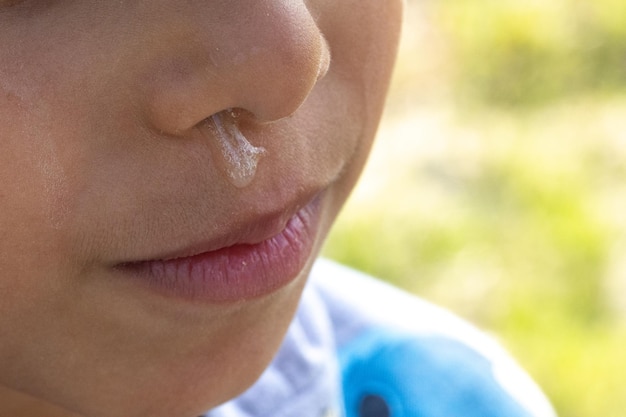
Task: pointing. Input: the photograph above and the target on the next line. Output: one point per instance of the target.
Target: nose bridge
(263, 56)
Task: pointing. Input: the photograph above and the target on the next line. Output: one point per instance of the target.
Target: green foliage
(504, 198)
(520, 53)
(516, 225)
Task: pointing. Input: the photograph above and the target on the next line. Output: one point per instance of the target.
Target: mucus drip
(240, 156)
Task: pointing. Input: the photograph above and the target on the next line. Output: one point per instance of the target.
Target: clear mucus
(240, 157)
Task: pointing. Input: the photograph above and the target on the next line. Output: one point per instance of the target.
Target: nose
(262, 56)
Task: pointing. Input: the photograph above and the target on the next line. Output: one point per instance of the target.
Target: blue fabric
(420, 376)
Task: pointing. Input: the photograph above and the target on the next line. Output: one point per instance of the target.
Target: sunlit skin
(104, 161)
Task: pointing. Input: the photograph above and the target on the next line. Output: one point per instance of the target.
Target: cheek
(35, 201)
(363, 42)
(38, 154)
(34, 197)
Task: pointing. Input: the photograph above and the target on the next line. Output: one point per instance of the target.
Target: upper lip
(256, 228)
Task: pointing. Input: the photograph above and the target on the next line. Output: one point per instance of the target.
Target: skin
(103, 161)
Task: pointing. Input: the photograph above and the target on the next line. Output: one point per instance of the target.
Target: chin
(216, 369)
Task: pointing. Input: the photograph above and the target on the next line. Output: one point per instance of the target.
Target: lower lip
(236, 273)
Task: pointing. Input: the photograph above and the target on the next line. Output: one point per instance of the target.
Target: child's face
(108, 167)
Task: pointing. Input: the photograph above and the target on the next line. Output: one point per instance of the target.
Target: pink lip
(237, 272)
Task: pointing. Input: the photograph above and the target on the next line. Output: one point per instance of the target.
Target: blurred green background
(497, 187)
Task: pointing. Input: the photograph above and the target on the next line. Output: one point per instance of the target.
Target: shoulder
(400, 353)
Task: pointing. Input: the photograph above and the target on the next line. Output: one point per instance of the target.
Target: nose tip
(265, 60)
(277, 79)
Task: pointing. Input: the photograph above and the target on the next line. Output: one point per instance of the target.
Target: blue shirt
(358, 347)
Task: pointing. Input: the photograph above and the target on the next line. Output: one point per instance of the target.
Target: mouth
(250, 263)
